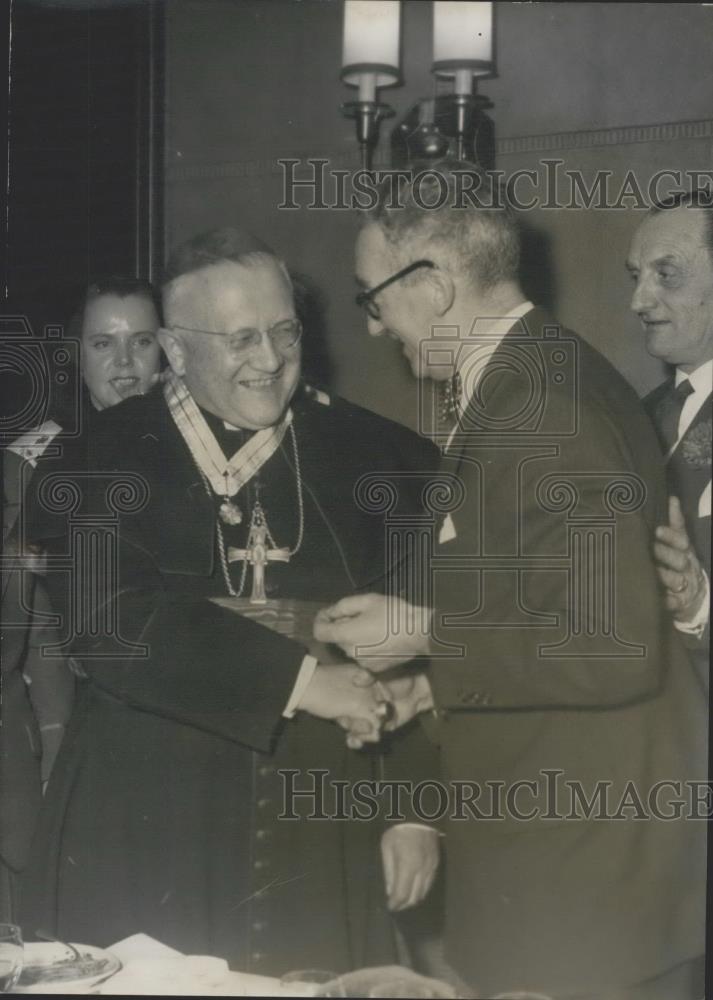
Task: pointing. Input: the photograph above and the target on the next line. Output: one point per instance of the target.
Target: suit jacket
(566, 670)
(688, 474)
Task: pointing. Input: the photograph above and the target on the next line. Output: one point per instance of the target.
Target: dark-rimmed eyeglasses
(365, 299)
(282, 336)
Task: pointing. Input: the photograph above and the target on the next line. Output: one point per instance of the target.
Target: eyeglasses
(366, 298)
(282, 336)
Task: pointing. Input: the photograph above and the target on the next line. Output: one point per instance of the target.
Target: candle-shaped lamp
(462, 42)
(463, 51)
(370, 60)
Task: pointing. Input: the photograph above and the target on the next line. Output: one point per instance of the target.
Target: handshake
(362, 705)
(352, 695)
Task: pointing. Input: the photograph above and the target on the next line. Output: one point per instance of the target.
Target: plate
(50, 967)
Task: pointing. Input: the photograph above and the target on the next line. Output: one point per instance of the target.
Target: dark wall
(82, 173)
(85, 165)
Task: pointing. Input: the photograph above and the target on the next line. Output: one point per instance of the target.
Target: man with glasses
(166, 818)
(551, 659)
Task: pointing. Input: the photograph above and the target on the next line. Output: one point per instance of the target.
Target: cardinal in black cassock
(163, 811)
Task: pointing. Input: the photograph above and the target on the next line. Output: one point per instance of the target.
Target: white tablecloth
(150, 967)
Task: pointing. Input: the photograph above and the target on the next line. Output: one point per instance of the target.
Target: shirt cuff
(697, 625)
(309, 665)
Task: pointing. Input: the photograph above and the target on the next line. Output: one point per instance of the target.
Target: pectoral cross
(258, 555)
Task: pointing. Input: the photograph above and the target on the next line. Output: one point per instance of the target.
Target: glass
(11, 955)
(312, 983)
(282, 335)
(366, 298)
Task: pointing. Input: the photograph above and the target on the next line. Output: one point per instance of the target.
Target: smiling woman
(120, 349)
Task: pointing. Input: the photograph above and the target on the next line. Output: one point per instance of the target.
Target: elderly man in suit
(671, 261)
(550, 655)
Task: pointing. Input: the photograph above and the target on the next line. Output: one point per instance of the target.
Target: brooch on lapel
(696, 445)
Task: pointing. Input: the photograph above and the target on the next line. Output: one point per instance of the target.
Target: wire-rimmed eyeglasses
(282, 336)
(366, 298)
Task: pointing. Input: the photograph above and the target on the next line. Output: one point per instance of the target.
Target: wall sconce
(370, 60)
(462, 52)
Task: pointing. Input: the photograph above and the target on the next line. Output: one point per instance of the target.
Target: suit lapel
(689, 475)
(703, 416)
(494, 380)
(493, 383)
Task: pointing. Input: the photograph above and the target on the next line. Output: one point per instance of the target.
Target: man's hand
(410, 855)
(409, 696)
(678, 566)
(396, 631)
(405, 698)
(346, 695)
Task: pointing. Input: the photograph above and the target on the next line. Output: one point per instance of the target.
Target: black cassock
(162, 813)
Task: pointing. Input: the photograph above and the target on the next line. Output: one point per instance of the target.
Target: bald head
(228, 243)
(210, 313)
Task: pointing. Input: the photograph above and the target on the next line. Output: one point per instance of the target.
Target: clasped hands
(390, 632)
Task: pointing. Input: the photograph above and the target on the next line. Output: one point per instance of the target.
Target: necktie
(668, 413)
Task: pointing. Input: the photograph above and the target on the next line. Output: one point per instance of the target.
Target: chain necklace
(257, 519)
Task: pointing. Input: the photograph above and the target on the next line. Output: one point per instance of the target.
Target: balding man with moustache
(671, 263)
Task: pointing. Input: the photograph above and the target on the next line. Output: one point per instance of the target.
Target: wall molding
(623, 136)
(544, 143)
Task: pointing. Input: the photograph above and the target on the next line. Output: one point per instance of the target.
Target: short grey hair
(477, 236)
(231, 243)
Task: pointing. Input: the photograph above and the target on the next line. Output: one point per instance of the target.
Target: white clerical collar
(701, 378)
